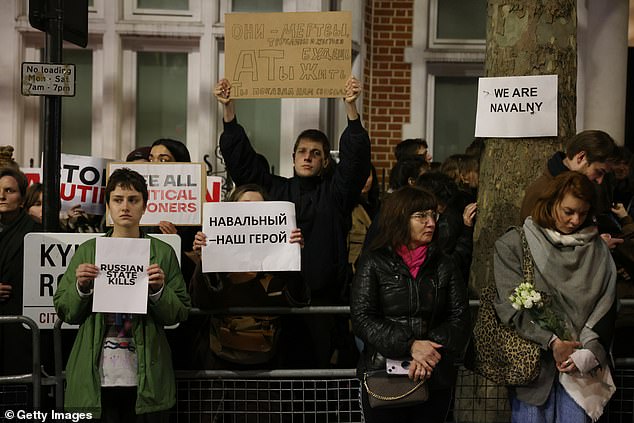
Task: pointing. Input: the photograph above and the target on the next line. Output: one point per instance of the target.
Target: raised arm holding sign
(324, 199)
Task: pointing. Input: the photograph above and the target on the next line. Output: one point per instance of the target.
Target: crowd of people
(400, 259)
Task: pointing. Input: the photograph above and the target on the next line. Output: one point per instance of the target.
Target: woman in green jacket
(120, 366)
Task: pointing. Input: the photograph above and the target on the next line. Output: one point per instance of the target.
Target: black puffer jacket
(390, 309)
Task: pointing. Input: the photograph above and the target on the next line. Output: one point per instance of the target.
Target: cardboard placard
(292, 54)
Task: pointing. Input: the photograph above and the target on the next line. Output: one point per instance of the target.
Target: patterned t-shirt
(118, 354)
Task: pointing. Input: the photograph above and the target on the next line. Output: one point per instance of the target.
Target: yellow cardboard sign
(292, 54)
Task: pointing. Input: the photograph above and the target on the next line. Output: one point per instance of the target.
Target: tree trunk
(524, 37)
(528, 37)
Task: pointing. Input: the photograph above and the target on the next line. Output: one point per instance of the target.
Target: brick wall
(386, 102)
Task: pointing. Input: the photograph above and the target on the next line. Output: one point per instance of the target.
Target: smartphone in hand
(397, 367)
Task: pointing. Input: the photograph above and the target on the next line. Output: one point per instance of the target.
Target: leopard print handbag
(500, 354)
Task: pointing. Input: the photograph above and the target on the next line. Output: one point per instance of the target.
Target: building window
(257, 6)
(163, 10)
(161, 106)
(455, 100)
(457, 23)
(163, 4)
(77, 110)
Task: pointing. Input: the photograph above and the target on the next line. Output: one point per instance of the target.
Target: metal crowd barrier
(325, 394)
(35, 377)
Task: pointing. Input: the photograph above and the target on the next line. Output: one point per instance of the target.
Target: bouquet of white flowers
(538, 304)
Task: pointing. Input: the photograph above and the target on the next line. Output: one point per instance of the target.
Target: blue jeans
(558, 408)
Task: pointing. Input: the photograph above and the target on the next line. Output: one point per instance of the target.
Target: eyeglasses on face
(425, 215)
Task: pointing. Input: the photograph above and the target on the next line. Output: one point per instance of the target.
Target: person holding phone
(409, 303)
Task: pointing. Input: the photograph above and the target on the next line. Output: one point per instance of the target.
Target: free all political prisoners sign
(46, 257)
(517, 107)
(292, 54)
(175, 191)
(249, 237)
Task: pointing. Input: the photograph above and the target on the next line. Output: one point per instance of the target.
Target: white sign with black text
(48, 79)
(517, 107)
(46, 257)
(122, 283)
(249, 237)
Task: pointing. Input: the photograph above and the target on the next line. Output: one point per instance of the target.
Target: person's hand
(156, 278)
(297, 237)
(426, 353)
(353, 89)
(619, 210)
(75, 213)
(468, 215)
(200, 240)
(418, 371)
(567, 366)
(85, 275)
(5, 291)
(222, 91)
(167, 227)
(612, 242)
(562, 350)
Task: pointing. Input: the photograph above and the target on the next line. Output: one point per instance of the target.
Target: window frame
(132, 12)
(437, 43)
(131, 46)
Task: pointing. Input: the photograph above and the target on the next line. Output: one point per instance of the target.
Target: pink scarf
(413, 258)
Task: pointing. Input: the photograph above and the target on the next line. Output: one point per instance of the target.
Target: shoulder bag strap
(528, 268)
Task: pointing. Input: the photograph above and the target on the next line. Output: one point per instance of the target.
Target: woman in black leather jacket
(409, 303)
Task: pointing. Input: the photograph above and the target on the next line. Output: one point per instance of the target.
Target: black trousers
(117, 406)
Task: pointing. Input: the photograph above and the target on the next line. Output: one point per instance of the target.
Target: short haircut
(410, 167)
(458, 165)
(439, 184)
(570, 182)
(177, 148)
(396, 211)
(19, 177)
(598, 146)
(126, 178)
(32, 195)
(314, 135)
(476, 148)
(242, 189)
(409, 148)
(140, 153)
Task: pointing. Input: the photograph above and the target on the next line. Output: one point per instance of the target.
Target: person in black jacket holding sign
(323, 199)
(409, 303)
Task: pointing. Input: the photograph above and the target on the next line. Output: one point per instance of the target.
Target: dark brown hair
(128, 179)
(19, 177)
(396, 211)
(242, 189)
(314, 135)
(33, 195)
(574, 183)
(598, 145)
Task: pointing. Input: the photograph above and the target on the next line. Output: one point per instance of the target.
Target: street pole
(52, 123)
